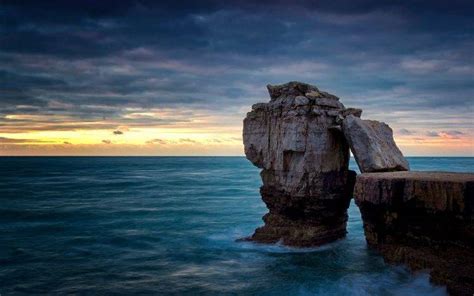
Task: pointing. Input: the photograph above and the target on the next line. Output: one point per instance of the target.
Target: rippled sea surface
(168, 225)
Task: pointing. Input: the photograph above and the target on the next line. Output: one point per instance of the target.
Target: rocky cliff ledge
(423, 219)
(297, 141)
(301, 140)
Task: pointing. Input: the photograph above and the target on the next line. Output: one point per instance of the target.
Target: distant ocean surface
(168, 225)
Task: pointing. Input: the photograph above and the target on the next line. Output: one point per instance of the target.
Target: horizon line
(459, 156)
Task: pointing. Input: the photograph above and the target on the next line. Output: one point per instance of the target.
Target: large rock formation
(301, 141)
(296, 140)
(373, 146)
(423, 219)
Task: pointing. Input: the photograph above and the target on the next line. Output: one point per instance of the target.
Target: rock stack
(297, 141)
(301, 140)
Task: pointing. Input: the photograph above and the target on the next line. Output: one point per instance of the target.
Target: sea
(168, 226)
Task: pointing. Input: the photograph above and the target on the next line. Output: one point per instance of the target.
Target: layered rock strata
(423, 219)
(373, 145)
(296, 140)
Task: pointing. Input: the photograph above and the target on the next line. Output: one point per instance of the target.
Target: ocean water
(167, 226)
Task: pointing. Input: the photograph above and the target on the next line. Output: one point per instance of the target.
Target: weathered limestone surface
(423, 219)
(307, 186)
(373, 146)
(301, 140)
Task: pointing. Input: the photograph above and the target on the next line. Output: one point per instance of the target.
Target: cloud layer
(114, 66)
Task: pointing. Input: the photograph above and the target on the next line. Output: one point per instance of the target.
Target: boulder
(422, 219)
(373, 145)
(307, 186)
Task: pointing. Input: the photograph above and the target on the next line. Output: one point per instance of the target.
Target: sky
(145, 77)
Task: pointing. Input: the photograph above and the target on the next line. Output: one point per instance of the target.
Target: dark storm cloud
(18, 81)
(94, 60)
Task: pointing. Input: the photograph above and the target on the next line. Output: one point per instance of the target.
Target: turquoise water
(168, 225)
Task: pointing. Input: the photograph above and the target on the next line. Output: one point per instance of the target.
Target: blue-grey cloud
(454, 133)
(406, 132)
(432, 134)
(95, 60)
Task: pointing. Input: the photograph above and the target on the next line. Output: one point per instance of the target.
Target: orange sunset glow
(201, 134)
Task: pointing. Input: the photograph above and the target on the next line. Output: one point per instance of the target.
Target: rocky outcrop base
(307, 220)
(422, 219)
